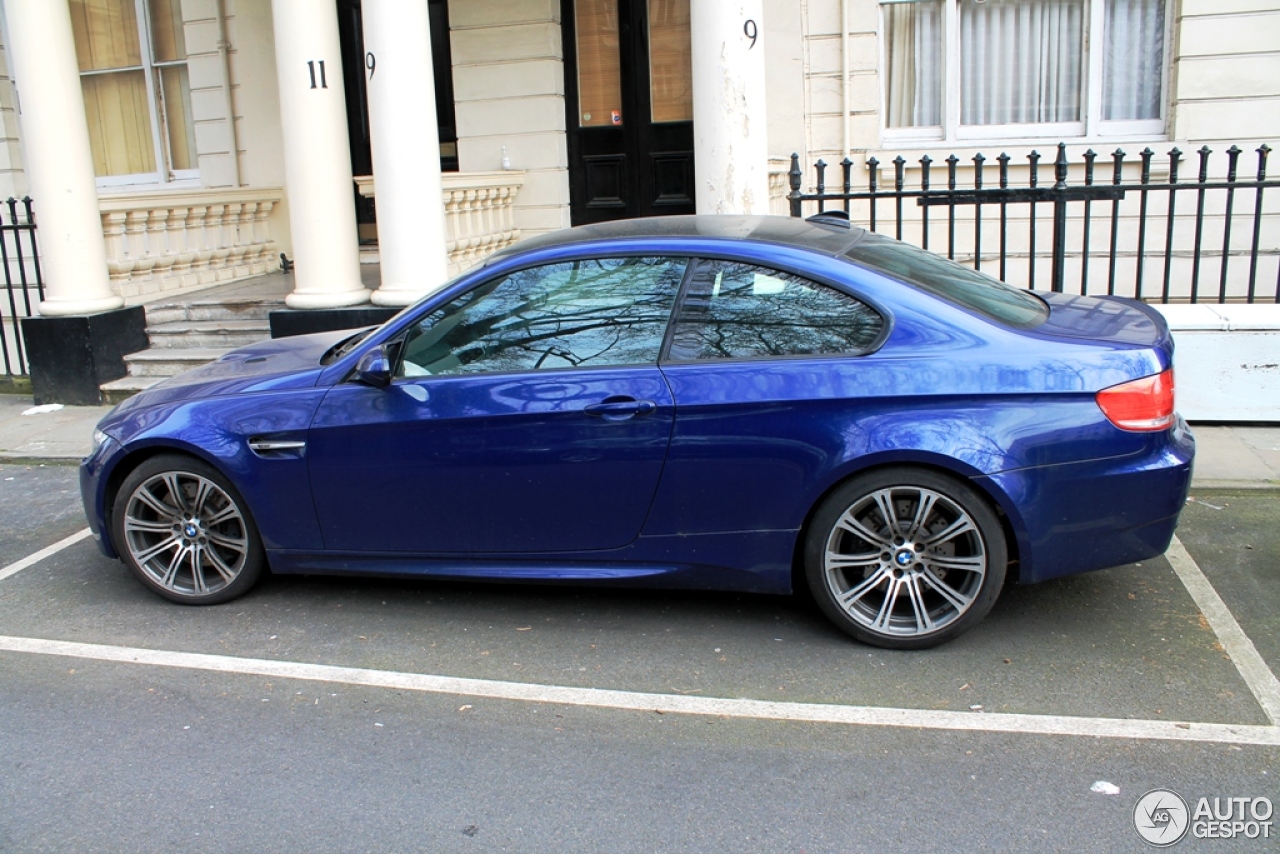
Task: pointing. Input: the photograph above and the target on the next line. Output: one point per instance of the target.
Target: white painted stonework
(313, 115)
(411, 232)
(730, 125)
(1226, 361)
(59, 165)
(479, 215)
(164, 243)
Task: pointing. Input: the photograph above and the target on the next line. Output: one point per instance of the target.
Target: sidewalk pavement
(1227, 457)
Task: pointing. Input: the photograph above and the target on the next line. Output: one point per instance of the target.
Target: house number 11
(311, 67)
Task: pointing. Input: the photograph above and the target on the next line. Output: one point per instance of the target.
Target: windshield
(950, 281)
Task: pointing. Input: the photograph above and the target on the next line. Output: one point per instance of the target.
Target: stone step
(227, 334)
(170, 361)
(122, 389)
(233, 308)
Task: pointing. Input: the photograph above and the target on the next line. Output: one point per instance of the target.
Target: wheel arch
(999, 503)
(135, 457)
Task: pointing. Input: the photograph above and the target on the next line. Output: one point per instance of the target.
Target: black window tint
(610, 311)
(951, 281)
(740, 311)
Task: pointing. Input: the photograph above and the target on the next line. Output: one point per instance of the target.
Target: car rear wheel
(184, 530)
(905, 558)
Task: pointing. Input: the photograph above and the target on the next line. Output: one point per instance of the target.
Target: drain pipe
(844, 79)
(228, 107)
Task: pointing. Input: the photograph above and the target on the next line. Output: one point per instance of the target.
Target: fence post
(1060, 220)
(793, 177)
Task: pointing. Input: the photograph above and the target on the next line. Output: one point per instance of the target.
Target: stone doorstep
(241, 308)
(187, 334)
(170, 361)
(126, 387)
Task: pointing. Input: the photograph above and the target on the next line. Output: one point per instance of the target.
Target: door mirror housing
(374, 368)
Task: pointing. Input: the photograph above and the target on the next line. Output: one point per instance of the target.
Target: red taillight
(1145, 404)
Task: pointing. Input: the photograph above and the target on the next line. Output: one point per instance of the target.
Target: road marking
(15, 568)
(1253, 669)
(668, 703)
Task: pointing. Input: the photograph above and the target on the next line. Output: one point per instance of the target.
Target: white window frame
(1093, 127)
(163, 174)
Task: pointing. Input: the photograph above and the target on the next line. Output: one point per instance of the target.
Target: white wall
(13, 181)
(255, 99)
(508, 82)
(785, 85)
(1226, 73)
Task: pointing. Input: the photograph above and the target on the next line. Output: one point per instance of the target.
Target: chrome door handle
(618, 409)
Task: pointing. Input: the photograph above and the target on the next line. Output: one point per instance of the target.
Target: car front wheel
(905, 558)
(184, 530)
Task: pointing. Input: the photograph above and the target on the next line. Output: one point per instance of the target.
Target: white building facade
(224, 133)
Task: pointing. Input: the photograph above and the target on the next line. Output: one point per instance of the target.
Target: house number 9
(370, 63)
(750, 31)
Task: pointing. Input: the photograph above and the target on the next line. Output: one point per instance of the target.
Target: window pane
(599, 72)
(915, 63)
(176, 110)
(167, 39)
(739, 311)
(119, 123)
(106, 34)
(1022, 61)
(670, 61)
(576, 314)
(1133, 59)
(949, 280)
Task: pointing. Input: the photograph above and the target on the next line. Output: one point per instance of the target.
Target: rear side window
(950, 281)
(741, 311)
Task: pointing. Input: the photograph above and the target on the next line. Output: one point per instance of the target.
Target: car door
(527, 415)
(762, 364)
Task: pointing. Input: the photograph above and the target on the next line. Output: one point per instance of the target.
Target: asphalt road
(203, 755)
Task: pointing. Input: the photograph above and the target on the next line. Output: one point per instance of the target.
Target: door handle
(620, 408)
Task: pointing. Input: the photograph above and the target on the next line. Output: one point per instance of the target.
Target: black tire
(186, 532)
(905, 558)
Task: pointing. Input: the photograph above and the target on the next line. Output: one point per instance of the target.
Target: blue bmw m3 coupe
(727, 403)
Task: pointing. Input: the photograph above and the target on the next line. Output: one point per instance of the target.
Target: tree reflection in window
(590, 313)
(739, 311)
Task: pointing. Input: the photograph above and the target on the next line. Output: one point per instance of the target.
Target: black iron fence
(1095, 230)
(23, 283)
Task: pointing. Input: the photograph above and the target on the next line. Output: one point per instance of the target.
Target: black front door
(629, 96)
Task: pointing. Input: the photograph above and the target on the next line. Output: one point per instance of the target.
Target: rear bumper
(1093, 515)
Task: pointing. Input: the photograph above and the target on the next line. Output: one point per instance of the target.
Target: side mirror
(375, 368)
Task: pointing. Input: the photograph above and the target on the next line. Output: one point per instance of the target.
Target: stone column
(317, 156)
(731, 150)
(406, 160)
(59, 161)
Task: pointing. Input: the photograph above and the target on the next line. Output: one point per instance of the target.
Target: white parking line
(668, 703)
(15, 568)
(1253, 669)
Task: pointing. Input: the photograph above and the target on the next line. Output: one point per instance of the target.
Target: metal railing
(1221, 261)
(20, 258)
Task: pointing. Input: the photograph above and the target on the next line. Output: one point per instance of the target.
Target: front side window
(740, 311)
(972, 69)
(576, 314)
(137, 97)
